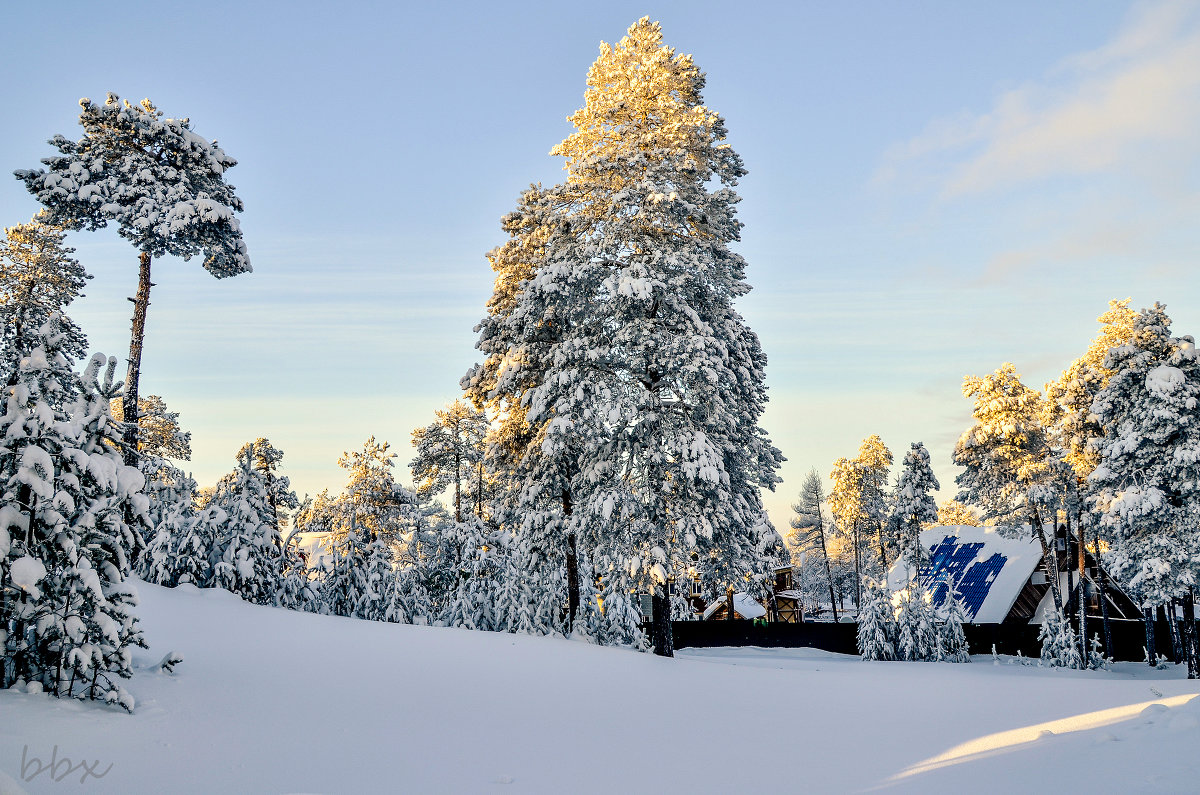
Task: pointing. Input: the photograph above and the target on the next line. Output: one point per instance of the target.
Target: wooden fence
(1128, 637)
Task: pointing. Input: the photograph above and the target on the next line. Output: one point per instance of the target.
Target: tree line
(1106, 454)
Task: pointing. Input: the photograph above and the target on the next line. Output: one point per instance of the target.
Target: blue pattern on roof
(950, 560)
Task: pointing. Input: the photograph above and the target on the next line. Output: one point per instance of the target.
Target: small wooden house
(786, 604)
(744, 606)
(1006, 580)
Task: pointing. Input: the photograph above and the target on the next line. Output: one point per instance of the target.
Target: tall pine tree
(655, 384)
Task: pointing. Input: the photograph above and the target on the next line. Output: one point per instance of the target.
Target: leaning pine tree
(654, 384)
(162, 184)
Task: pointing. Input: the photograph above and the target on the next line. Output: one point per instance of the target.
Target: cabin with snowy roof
(744, 606)
(1005, 580)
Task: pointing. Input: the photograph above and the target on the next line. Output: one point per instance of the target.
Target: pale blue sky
(934, 188)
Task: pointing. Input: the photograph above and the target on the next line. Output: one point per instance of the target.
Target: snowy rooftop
(743, 605)
(988, 569)
(315, 546)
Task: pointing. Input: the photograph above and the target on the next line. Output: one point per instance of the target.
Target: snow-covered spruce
(916, 629)
(876, 622)
(951, 638)
(174, 552)
(66, 615)
(1060, 646)
(246, 556)
(366, 524)
(912, 505)
(1147, 480)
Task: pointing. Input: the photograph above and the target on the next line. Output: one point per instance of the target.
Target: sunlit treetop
(643, 99)
(953, 513)
(1069, 399)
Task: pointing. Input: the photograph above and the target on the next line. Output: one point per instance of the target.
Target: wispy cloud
(1124, 107)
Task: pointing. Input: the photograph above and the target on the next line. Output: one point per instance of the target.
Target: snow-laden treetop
(163, 184)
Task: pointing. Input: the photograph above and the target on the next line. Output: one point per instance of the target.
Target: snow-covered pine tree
(162, 184)
(247, 555)
(952, 640)
(858, 502)
(845, 505)
(532, 489)
(1009, 466)
(159, 432)
(280, 496)
(875, 459)
(172, 548)
(808, 538)
(1060, 647)
(655, 384)
(450, 452)
(471, 601)
(367, 526)
(373, 498)
(619, 620)
(295, 589)
(916, 629)
(876, 622)
(65, 604)
(913, 505)
(1147, 483)
(160, 438)
(38, 276)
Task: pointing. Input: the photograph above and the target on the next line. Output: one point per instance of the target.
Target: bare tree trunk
(1100, 581)
(1188, 630)
(857, 571)
(1049, 559)
(479, 490)
(828, 571)
(129, 400)
(660, 622)
(457, 487)
(1148, 619)
(572, 564)
(1168, 609)
(882, 550)
(1083, 636)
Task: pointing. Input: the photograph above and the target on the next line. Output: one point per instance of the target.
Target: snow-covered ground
(273, 701)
